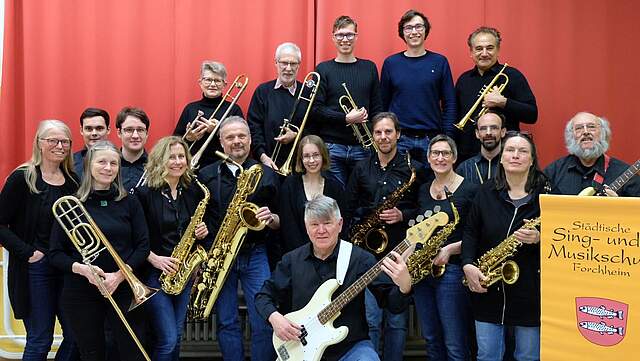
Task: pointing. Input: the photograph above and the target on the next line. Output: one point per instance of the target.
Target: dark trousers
(88, 311)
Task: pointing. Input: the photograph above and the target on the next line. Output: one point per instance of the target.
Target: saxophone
(240, 217)
(494, 264)
(420, 263)
(173, 284)
(369, 231)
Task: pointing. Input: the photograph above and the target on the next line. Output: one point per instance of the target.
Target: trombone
(90, 241)
(240, 83)
(311, 81)
(483, 92)
(360, 130)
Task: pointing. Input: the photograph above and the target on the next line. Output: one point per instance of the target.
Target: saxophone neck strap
(342, 264)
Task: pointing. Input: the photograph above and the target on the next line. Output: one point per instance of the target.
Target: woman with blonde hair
(25, 226)
(169, 199)
(121, 220)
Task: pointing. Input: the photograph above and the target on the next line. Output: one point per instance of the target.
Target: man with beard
(489, 131)
(370, 183)
(587, 139)
(516, 102)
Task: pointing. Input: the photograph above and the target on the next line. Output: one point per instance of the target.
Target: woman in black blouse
(122, 221)
(311, 160)
(25, 226)
(442, 302)
(169, 200)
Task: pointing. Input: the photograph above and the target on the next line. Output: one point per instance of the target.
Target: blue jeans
(443, 308)
(490, 338)
(395, 328)
(343, 160)
(418, 147)
(252, 269)
(167, 313)
(361, 351)
(45, 286)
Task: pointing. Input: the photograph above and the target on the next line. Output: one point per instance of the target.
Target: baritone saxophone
(188, 261)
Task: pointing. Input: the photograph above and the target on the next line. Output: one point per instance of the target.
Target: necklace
(437, 188)
(312, 189)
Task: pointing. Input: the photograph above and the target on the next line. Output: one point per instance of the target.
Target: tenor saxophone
(240, 217)
(369, 231)
(494, 264)
(188, 261)
(420, 263)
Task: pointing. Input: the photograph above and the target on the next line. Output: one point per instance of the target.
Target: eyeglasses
(342, 36)
(409, 28)
(446, 154)
(309, 157)
(53, 142)
(285, 64)
(487, 128)
(208, 81)
(129, 131)
(591, 127)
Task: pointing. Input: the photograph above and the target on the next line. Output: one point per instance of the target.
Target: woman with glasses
(311, 160)
(121, 220)
(169, 199)
(501, 209)
(441, 301)
(195, 115)
(25, 227)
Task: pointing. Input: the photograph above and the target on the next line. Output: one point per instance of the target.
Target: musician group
(338, 201)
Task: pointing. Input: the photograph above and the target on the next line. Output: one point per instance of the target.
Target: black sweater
(361, 78)
(267, 111)
(492, 217)
(207, 105)
(19, 210)
(122, 223)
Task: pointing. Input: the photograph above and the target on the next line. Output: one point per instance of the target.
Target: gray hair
(321, 207)
(214, 67)
(234, 119)
(288, 48)
(86, 185)
(444, 138)
(600, 146)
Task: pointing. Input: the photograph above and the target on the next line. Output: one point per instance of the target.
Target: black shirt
(299, 274)
(222, 185)
(361, 78)
(478, 169)
(461, 198)
(267, 111)
(291, 206)
(569, 176)
(130, 172)
(50, 194)
(521, 103)
(207, 105)
(368, 187)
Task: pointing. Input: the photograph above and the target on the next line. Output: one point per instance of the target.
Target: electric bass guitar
(617, 184)
(316, 318)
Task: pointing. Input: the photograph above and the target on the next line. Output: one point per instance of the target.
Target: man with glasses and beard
(587, 138)
(482, 167)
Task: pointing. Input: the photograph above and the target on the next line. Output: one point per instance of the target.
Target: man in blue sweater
(417, 85)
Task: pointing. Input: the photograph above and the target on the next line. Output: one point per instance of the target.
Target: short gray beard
(599, 148)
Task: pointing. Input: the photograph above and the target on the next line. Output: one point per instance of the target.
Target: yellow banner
(590, 277)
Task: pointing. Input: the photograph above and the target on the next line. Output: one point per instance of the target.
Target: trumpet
(311, 81)
(90, 241)
(240, 83)
(484, 91)
(360, 130)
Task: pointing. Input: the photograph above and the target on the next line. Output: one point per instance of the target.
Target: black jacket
(19, 210)
(492, 217)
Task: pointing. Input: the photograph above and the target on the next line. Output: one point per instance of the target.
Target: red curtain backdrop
(61, 56)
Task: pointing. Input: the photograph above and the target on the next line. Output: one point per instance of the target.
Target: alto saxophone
(240, 217)
(420, 263)
(494, 264)
(369, 231)
(174, 283)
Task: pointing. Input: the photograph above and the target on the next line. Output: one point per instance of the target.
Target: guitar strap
(599, 178)
(342, 264)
